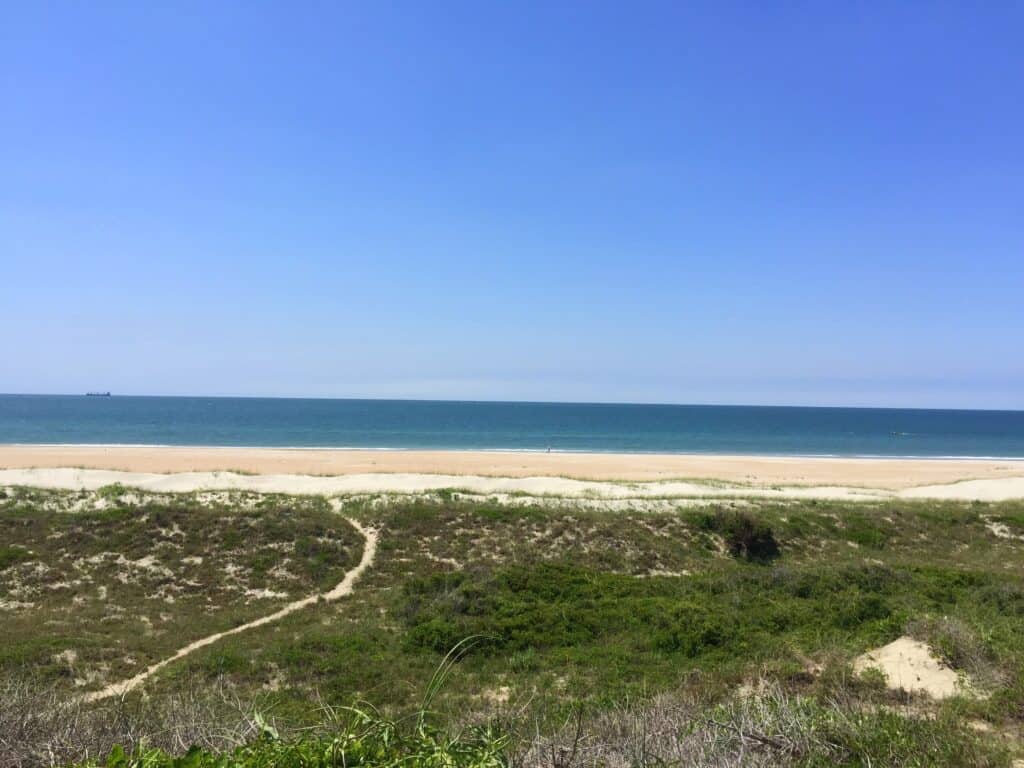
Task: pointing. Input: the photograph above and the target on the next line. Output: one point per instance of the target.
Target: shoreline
(882, 473)
(517, 451)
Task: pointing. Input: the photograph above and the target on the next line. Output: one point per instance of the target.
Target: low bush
(366, 741)
(737, 614)
(112, 492)
(746, 537)
(12, 555)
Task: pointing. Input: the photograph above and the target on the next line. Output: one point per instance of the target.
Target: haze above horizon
(484, 401)
(723, 203)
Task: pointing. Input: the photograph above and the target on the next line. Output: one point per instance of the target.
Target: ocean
(424, 424)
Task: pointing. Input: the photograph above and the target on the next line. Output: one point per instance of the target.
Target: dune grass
(728, 629)
(102, 592)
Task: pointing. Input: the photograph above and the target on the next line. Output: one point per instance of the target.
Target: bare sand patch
(1001, 530)
(910, 665)
(970, 490)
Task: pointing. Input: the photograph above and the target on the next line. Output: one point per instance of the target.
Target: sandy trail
(343, 588)
(992, 489)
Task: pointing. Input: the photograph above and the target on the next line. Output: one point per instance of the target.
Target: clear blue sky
(796, 203)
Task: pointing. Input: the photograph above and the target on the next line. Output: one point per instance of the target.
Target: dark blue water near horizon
(426, 424)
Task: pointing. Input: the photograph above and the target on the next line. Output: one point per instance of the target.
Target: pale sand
(910, 665)
(765, 471)
(560, 487)
(607, 492)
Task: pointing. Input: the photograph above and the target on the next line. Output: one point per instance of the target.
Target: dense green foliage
(737, 616)
(750, 613)
(367, 741)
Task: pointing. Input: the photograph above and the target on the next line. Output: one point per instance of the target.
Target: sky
(754, 203)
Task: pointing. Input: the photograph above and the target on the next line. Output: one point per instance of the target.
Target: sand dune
(540, 486)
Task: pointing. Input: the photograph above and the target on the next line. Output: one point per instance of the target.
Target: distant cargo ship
(97, 394)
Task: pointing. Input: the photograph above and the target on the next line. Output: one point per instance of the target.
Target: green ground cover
(95, 595)
(745, 615)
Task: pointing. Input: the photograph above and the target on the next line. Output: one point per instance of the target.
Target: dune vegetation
(724, 633)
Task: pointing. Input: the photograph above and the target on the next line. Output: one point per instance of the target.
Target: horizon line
(516, 402)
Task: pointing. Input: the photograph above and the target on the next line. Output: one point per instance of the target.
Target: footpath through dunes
(1007, 487)
(747, 615)
(344, 587)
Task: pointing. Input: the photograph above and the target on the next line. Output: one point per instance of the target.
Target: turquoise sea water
(509, 426)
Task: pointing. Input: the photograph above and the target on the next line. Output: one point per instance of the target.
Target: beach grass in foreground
(724, 633)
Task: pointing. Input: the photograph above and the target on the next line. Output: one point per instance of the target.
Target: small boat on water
(97, 394)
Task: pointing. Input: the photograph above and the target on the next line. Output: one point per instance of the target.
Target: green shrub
(736, 614)
(746, 537)
(367, 740)
(11, 555)
(112, 492)
(864, 531)
(523, 661)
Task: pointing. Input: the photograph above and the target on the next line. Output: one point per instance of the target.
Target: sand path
(344, 588)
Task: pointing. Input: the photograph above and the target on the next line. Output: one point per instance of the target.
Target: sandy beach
(565, 474)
